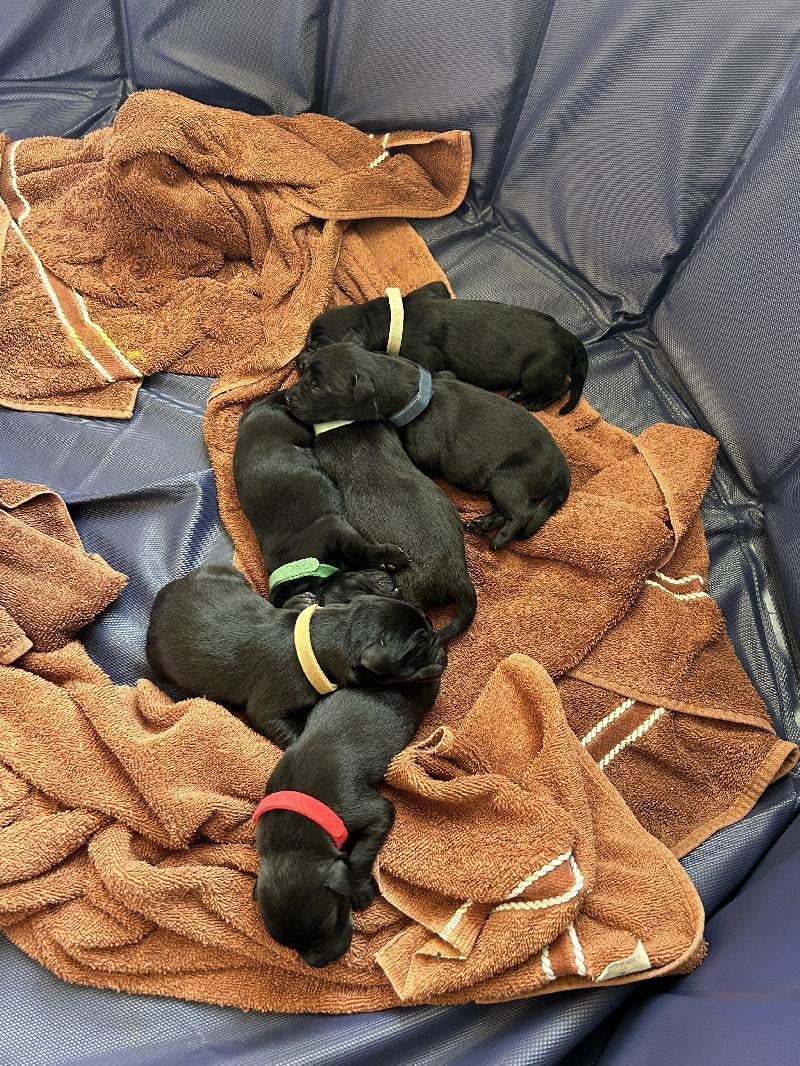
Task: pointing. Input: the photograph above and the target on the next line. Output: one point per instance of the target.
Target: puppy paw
(504, 537)
(483, 523)
(393, 558)
(302, 599)
(362, 894)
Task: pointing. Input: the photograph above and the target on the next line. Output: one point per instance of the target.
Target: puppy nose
(316, 963)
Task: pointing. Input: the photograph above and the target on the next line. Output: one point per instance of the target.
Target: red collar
(309, 807)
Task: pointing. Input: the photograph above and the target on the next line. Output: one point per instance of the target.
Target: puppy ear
(338, 878)
(363, 389)
(435, 290)
(377, 659)
(426, 673)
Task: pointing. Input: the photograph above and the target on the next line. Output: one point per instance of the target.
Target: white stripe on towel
(631, 738)
(679, 595)
(577, 950)
(609, 719)
(680, 580)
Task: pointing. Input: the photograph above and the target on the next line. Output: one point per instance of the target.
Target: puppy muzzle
(329, 953)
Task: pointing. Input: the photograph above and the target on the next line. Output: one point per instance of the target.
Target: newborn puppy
(474, 439)
(297, 513)
(386, 496)
(307, 884)
(212, 635)
(493, 345)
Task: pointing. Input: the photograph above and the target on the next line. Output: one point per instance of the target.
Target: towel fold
(557, 885)
(36, 531)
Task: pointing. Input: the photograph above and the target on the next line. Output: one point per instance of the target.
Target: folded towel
(514, 867)
(35, 612)
(517, 860)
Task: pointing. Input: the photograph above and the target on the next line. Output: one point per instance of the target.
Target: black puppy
(493, 345)
(473, 438)
(306, 882)
(212, 635)
(296, 511)
(386, 496)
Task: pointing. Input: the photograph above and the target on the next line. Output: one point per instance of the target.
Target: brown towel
(200, 240)
(519, 863)
(36, 530)
(610, 597)
(126, 850)
(514, 867)
(185, 236)
(126, 857)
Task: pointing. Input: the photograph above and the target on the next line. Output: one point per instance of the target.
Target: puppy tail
(577, 374)
(467, 606)
(549, 504)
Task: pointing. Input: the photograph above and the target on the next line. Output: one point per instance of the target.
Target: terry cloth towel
(514, 866)
(556, 885)
(611, 597)
(200, 240)
(36, 613)
(127, 855)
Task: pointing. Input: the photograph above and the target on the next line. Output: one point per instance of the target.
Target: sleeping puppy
(474, 439)
(385, 496)
(212, 635)
(297, 513)
(493, 345)
(307, 884)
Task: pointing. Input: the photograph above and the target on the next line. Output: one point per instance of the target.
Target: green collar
(300, 568)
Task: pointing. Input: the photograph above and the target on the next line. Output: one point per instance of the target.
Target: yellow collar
(397, 317)
(305, 653)
(326, 427)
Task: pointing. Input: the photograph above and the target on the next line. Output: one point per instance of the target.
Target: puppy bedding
(593, 724)
(515, 865)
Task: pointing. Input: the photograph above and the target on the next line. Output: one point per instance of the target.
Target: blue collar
(414, 408)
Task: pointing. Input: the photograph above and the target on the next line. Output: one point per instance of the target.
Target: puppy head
(342, 588)
(434, 290)
(304, 899)
(367, 323)
(392, 642)
(336, 382)
(337, 324)
(347, 585)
